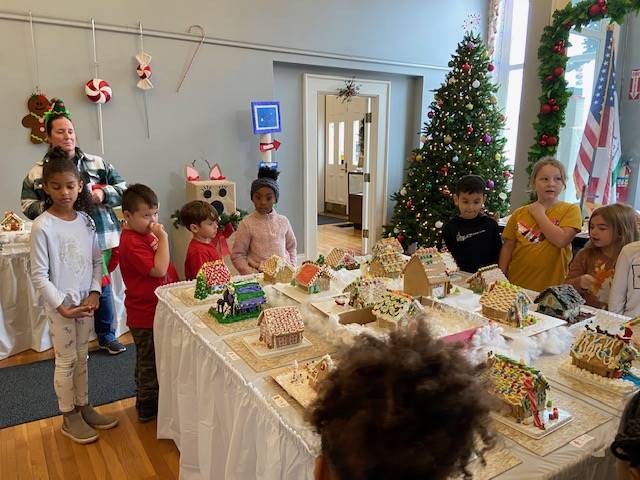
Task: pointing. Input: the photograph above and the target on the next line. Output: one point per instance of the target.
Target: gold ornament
(469, 106)
(447, 139)
(498, 156)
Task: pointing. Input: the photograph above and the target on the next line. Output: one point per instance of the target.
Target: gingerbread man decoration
(38, 105)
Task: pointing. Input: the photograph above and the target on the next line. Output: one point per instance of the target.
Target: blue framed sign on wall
(265, 117)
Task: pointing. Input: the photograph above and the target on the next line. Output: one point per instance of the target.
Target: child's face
(469, 204)
(548, 183)
(63, 188)
(141, 220)
(600, 232)
(263, 199)
(206, 230)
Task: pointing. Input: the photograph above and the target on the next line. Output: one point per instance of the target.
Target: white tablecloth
(23, 319)
(221, 415)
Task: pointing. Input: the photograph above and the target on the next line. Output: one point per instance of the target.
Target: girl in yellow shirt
(537, 239)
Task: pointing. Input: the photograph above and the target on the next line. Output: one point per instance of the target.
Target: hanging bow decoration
(144, 71)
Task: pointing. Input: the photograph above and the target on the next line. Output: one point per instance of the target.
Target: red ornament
(551, 141)
(466, 67)
(545, 108)
(552, 101)
(542, 143)
(469, 129)
(491, 67)
(409, 203)
(555, 108)
(507, 174)
(594, 10)
(603, 9)
(400, 237)
(549, 78)
(558, 71)
(445, 170)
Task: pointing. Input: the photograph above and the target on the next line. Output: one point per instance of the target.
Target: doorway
(359, 151)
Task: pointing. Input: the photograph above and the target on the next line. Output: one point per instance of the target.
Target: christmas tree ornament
(469, 129)
(491, 67)
(424, 138)
(447, 139)
(466, 67)
(438, 224)
(396, 231)
(502, 196)
(507, 174)
(493, 99)
(558, 71)
(490, 184)
(452, 81)
(478, 152)
(430, 114)
(403, 191)
(455, 159)
(469, 106)
(545, 108)
(418, 157)
(497, 156)
(475, 83)
(552, 140)
(486, 138)
(470, 45)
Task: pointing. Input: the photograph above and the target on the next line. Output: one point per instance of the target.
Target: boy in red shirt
(201, 219)
(145, 265)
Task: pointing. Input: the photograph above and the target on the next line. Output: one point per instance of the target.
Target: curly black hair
(626, 445)
(266, 172)
(405, 407)
(57, 161)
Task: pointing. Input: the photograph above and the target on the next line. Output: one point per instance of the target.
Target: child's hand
(536, 209)
(92, 301)
(587, 281)
(158, 230)
(74, 312)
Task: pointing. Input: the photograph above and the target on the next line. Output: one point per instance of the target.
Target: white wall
(210, 118)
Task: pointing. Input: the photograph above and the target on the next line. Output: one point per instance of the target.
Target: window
(509, 61)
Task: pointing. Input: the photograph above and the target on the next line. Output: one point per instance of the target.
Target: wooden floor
(38, 450)
(330, 236)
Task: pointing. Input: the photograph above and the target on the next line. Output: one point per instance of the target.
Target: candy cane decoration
(184, 76)
(97, 90)
(535, 412)
(143, 71)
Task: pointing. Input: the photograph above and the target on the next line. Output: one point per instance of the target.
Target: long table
(227, 425)
(23, 318)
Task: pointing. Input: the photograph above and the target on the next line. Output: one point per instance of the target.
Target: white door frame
(377, 203)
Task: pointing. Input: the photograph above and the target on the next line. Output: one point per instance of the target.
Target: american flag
(599, 150)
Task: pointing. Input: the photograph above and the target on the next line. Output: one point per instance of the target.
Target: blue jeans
(103, 318)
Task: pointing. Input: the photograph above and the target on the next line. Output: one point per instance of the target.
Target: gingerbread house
(211, 278)
(507, 303)
(560, 301)
(319, 371)
(364, 293)
(602, 353)
(387, 244)
(394, 310)
(341, 258)
(239, 300)
(485, 277)
(427, 273)
(277, 270)
(11, 223)
(281, 327)
(522, 389)
(389, 264)
(313, 278)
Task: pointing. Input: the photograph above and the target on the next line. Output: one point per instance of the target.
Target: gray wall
(209, 118)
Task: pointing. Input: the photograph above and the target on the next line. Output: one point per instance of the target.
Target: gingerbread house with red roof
(313, 278)
(281, 327)
(212, 278)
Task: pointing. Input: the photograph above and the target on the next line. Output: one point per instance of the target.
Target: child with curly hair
(265, 232)
(626, 446)
(405, 407)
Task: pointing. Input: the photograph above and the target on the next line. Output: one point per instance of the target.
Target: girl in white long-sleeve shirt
(624, 297)
(66, 268)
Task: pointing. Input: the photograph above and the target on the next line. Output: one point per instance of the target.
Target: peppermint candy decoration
(98, 90)
(143, 71)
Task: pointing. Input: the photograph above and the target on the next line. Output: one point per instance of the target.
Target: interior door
(344, 152)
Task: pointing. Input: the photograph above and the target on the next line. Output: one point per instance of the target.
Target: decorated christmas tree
(202, 289)
(463, 136)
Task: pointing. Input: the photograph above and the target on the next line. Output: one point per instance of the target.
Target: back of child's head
(137, 196)
(544, 161)
(196, 212)
(470, 184)
(404, 407)
(622, 220)
(57, 161)
(267, 177)
(626, 445)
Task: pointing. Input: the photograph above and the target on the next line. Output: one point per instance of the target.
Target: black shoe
(147, 410)
(114, 347)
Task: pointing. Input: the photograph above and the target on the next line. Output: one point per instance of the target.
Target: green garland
(552, 56)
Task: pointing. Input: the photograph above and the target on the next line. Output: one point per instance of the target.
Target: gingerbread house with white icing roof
(485, 277)
(11, 223)
(341, 258)
(281, 326)
(387, 244)
(364, 293)
(211, 278)
(389, 264)
(602, 353)
(277, 270)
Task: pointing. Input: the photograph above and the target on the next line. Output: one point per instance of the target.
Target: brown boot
(97, 420)
(74, 427)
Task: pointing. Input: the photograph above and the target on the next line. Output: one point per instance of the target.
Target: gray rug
(27, 390)
(327, 220)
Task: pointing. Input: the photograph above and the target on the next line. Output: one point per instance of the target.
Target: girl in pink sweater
(264, 232)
